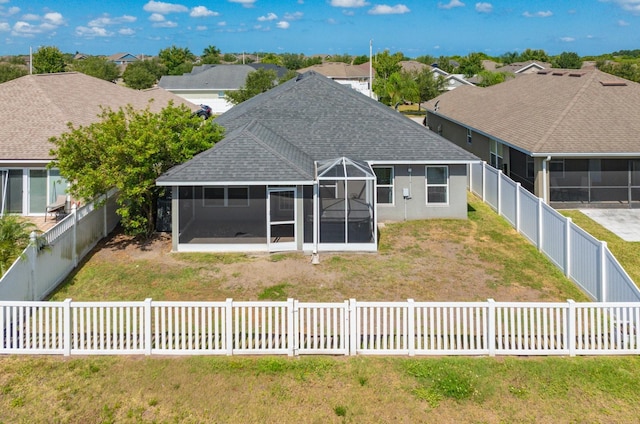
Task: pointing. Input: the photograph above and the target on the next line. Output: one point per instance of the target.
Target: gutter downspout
(545, 184)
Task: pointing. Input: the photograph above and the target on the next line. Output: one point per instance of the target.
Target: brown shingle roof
(338, 70)
(34, 108)
(560, 111)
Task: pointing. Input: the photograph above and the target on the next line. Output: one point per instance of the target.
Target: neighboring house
(572, 137)
(313, 165)
(122, 59)
(357, 77)
(413, 66)
(34, 108)
(451, 81)
(523, 68)
(207, 84)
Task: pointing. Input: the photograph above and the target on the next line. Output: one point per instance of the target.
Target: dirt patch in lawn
(440, 260)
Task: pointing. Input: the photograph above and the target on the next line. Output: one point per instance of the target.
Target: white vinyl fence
(584, 259)
(297, 328)
(45, 264)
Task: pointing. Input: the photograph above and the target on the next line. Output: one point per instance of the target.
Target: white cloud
(10, 11)
(126, 31)
(30, 17)
(283, 25)
(632, 6)
(268, 17)
(91, 32)
(244, 3)
(567, 39)
(540, 14)
(156, 17)
(331, 21)
(201, 28)
(222, 23)
(165, 24)
(623, 23)
(383, 9)
(484, 7)
(25, 29)
(349, 3)
(106, 20)
(4, 27)
(164, 8)
(202, 12)
(293, 16)
(451, 4)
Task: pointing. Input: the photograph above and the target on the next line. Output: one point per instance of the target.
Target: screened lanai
(346, 199)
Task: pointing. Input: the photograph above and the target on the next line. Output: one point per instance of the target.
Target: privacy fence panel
(584, 259)
(16, 282)
(55, 261)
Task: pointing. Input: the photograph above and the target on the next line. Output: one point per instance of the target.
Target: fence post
(571, 328)
(567, 247)
(470, 180)
(228, 324)
(292, 316)
(32, 254)
(74, 232)
(499, 193)
(491, 323)
(539, 217)
(411, 324)
(604, 296)
(353, 327)
(518, 188)
(147, 327)
(105, 231)
(66, 322)
(484, 179)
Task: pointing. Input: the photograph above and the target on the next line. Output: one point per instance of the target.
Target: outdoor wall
(416, 206)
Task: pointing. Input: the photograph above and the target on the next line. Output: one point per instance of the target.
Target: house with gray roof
(35, 108)
(572, 137)
(207, 84)
(312, 165)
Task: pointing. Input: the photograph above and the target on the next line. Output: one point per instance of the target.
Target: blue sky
(414, 27)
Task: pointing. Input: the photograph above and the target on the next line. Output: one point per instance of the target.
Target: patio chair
(58, 208)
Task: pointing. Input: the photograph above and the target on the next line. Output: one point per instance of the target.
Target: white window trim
(226, 197)
(392, 185)
(493, 151)
(427, 185)
(469, 136)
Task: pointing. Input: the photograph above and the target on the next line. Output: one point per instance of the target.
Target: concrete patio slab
(625, 223)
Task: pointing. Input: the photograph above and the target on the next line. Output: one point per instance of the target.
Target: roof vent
(543, 72)
(613, 83)
(576, 74)
(558, 73)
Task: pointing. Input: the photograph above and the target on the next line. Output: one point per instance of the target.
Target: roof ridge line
(565, 112)
(255, 123)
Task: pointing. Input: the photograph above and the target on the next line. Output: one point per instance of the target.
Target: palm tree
(14, 238)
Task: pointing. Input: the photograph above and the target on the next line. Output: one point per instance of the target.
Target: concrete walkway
(625, 223)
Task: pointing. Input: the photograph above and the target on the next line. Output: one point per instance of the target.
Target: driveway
(625, 223)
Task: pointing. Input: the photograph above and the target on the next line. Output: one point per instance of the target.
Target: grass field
(426, 260)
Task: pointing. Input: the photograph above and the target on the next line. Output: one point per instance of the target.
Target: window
(556, 168)
(496, 158)
(225, 196)
(468, 136)
(384, 184)
(530, 168)
(437, 183)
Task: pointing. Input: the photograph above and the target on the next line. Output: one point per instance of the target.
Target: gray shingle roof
(215, 77)
(34, 108)
(561, 111)
(314, 118)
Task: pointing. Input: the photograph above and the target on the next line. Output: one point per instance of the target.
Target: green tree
(386, 64)
(143, 74)
(9, 71)
(257, 82)
(310, 61)
(426, 59)
(537, 55)
(290, 74)
(229, 58)
(445, 64)
(178, 60)
(272, 58)
(488, 78)
(210, 55)
(429, 86)
(344, 58)
(359, 60)
(567, 60)
(47, 60)
(292, 61)
(14, 238)
(471, 64)
(129, 150)
(97, 67)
